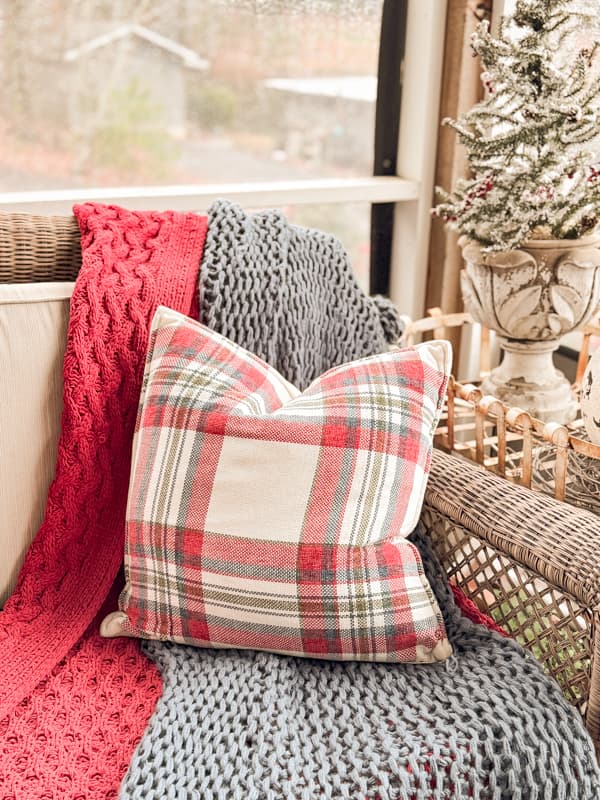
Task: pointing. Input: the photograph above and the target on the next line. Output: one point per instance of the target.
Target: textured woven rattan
(34, 249)
(532, 562)
(582, 475)
(505, 441)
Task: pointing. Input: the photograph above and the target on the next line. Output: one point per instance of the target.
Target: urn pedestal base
(528, 378)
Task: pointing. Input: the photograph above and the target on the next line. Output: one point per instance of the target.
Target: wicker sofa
(527, 560)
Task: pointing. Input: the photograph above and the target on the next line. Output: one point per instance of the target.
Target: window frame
(199, 196)
(400, 191)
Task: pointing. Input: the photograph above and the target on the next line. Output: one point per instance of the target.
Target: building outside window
(105, 94)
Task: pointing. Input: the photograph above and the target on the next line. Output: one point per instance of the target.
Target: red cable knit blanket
(132, 262)
(74, 736)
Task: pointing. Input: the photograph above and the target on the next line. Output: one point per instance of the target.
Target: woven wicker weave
(34, 249)
(531, 562)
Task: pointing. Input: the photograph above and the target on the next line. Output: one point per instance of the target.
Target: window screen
(140, 92)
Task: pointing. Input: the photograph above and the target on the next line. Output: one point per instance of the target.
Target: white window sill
(199, 197)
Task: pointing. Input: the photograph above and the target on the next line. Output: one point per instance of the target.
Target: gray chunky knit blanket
(243, 725)
(288, 294)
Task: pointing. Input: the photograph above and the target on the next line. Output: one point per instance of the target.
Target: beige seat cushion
(33, 327)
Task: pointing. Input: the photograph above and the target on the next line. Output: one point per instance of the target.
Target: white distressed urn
(590, 398)
(531, 297)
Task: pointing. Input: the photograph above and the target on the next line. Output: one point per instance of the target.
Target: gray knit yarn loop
(391, 323)
(263, 280)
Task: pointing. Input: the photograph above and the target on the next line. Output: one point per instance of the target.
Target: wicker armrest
(555, 540)
(34, 249)
(530, 562)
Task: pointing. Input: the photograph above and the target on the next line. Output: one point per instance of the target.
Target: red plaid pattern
(266, 518)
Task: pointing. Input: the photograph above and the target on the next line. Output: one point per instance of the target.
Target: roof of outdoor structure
(190, 58)
(351, 87)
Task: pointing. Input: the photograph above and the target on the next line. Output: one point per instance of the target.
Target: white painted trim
(419, 124)
(199, 197)
(498, 9)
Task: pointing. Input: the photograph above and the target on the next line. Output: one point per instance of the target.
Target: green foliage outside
(132, 136)
(211, 105)
(541, 637)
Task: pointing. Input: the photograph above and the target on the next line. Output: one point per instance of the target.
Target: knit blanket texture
(243, 725)
(73, 737)
(236, 724)
(72, 709)
(288, 294)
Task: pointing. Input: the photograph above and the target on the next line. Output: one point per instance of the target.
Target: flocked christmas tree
(530, 142)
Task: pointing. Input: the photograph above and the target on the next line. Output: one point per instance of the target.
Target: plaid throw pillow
(267, 518)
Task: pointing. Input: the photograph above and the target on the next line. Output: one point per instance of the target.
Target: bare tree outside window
(140, 92)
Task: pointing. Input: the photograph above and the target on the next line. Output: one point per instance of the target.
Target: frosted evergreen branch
(524, 142)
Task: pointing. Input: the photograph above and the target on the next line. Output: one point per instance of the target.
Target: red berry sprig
(594, 173)
(486, 79)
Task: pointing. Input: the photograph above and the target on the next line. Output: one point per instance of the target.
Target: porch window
(170, 104)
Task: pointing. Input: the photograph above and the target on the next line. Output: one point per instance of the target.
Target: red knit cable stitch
(132, 262)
